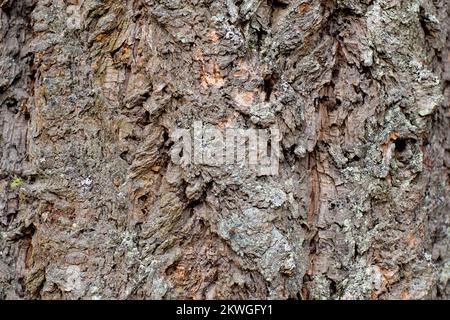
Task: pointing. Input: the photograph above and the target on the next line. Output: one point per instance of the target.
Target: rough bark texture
(92, 205)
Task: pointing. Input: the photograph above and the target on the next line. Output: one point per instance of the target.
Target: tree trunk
(93, 203)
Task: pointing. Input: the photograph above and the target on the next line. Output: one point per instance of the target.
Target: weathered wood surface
(92, 90)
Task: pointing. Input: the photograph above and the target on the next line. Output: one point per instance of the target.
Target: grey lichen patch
(265, 195)
(252, 236)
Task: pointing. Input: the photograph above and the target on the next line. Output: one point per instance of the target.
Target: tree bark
(93, 205)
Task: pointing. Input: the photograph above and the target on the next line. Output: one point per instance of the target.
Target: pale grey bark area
(92, 205)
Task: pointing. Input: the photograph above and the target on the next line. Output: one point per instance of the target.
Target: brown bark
(93, 205)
